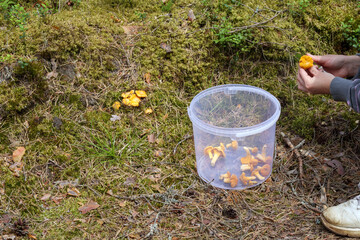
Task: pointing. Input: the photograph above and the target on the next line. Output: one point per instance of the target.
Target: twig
(186, 137)
(254, 25)
(297, 153)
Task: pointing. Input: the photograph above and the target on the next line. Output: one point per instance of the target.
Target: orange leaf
(18, 154)
(147, 77)
(88, 207)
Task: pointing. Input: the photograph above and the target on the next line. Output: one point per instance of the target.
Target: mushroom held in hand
(218, 152)
(306, 62)
(246, 180)
(233, 144)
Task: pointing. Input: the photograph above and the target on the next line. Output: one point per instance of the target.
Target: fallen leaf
(130, 181)
(114, 118)
(130, 30)
(18, 154)
(45, 197)
(57, 123)
(122, 203)
(165, 116)
(336, 165)
(16, 168)
(166, 47)
(88, 207)
(147, 77)
(57, 199)
(191, 15)
(52, 74)
(151, 138)
(74, 192)
(110, 192)
(31, 236)
(2, 191)
(158, 153)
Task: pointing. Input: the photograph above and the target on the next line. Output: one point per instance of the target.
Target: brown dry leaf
(191, 15)
(88, 207)
(57, 199)
(32, 236)
(110, 192)
(336, 165)
(16, 168)
(166, 47)
(122, 203)
(130, 181)
(74, 192)
(165, 117)
(18, 154)
(158, 188)
(151, 138)
(130, 30)
(52, 74)
(45, 197)
(158, 153)
(2, 191)
(147, 77)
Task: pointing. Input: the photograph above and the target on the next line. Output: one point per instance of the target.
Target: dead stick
(289, 143)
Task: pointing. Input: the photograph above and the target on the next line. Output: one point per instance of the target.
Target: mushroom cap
(116, 105)
(126, 101)
(234, 145)
(220, 151)
(233, 180)
(208, 149)
(244, 179)
(222, 146)
(127, 94)
(141, 93)
(247, 158)
(225, 175)
(268, 159)
(254, 150)
(265, 170)
(306, 62)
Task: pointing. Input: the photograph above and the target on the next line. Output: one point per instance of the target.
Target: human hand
(338, 65)
(314, 80)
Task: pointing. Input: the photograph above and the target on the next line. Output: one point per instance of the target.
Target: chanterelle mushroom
(257, 174)
(265, 170)
(208, 151)
(245, 180)
(247, 159)
(233, 144)
(222, 146)
(233, 180)
(262, 156)
(218, 152)
(225, 175)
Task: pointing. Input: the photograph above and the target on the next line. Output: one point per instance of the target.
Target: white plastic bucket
(229, 115)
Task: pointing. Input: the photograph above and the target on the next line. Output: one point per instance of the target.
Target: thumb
(317, 59)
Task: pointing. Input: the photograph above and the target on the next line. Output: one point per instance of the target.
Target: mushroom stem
(245, 167)
(257, 174)
(215, 158)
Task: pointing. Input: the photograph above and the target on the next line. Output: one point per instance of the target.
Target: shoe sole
(350, 232)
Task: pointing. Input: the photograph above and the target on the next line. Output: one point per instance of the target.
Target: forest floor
(92, 170)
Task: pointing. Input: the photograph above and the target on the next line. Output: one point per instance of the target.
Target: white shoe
(343, 219)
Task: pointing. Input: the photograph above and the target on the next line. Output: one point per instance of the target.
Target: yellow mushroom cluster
(229, 178)
(133, 97)
(249, 162)
(215, 152)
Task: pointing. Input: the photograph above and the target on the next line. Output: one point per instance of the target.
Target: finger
(313, 70)
(317, 59)
(302, 88)
(299, 79)
(304, 75)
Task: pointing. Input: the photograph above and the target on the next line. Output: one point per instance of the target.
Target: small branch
(256, 24)
(186, 137)
(297, 153)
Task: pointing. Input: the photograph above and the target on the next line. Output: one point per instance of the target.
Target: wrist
(353, 65)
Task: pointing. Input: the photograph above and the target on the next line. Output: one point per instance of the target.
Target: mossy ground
(141, 169)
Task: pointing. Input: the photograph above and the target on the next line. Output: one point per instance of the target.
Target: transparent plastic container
(234, 134)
